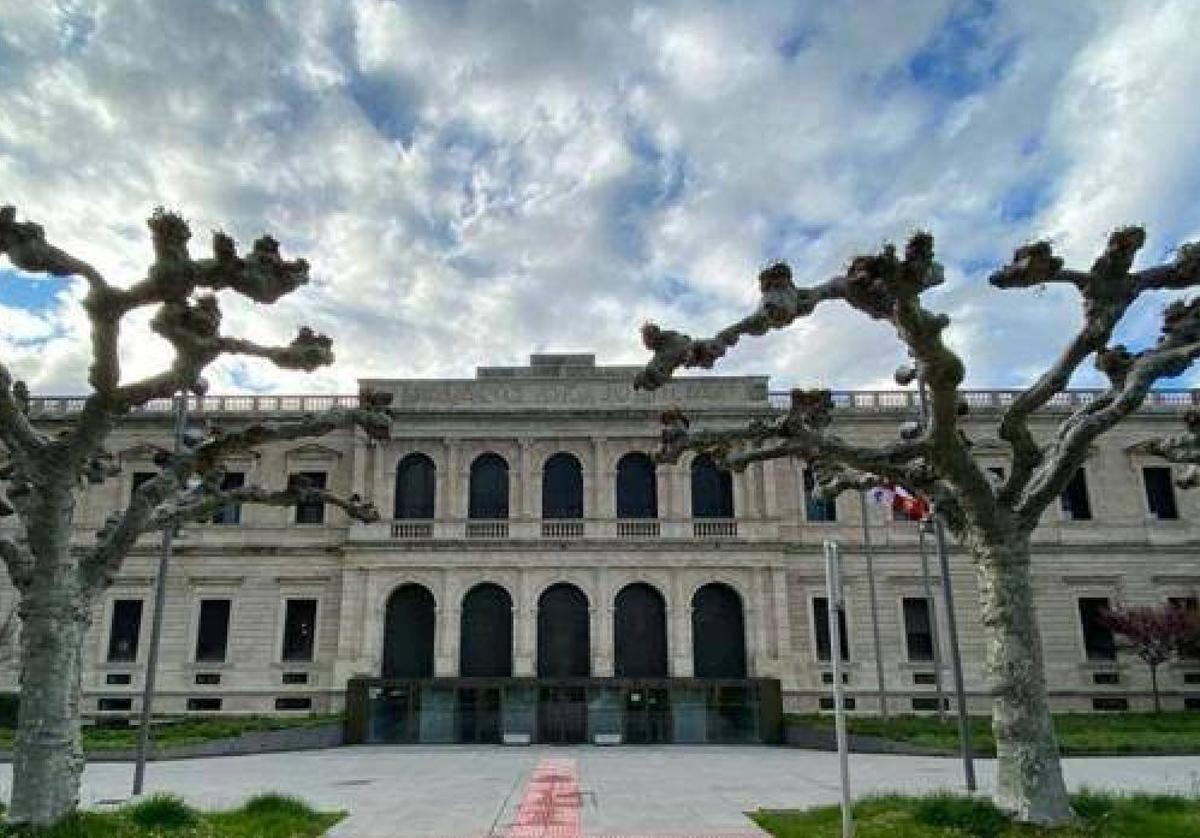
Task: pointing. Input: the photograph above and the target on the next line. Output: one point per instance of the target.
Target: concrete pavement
(459, 791)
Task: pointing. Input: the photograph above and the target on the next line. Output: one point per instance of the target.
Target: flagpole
(933, 622)
(866, 540)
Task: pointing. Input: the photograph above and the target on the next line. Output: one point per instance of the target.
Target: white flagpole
(833, 588)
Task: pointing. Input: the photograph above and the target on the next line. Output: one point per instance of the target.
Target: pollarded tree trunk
(1029, 780)
(48, 753)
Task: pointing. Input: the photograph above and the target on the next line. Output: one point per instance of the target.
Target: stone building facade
(531, 482)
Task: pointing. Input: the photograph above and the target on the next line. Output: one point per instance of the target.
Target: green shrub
(977, 818)
(276, 805)
(162, 811)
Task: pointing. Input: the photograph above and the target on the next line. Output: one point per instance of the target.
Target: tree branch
(1107, 291)
(19, 562)
(205, 461)
(16, 431)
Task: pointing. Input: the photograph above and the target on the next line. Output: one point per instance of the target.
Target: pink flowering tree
(1155, 634)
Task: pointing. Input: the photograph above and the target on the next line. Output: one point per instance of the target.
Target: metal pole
(964, 723)
(160, 595)
(933, 624)
(833, 587)
(866, 540)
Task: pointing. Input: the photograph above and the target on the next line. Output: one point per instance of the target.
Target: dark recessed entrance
(647, 716)
(563, 633)
(408, 633)
(562, 715)
(478, 711)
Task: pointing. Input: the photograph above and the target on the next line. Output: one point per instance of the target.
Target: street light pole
(867, 552)
(160, 595)
(964, 722)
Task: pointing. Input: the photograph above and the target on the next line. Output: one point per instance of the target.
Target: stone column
(679, 615)
(603, 653)
(770, 489)
(783, 627)
(601, 499)
(446, 636)
(379, 491)
(522, 496)
(450, 505)
(353, 656)
(524, 628)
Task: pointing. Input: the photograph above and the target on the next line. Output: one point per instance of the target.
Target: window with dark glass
(1190, 605)
(637, 487)
(1075, 503)
(140, 477)
(212, 632)
(1098, 641)
(918, 629)
(712, 489)
(230, 513)
(124, 631)
(299, 629)
(416, 487)
(310, 511)
(562, 487)
(821, 629)
(1160, 493)
(816, 508)
(489, 487)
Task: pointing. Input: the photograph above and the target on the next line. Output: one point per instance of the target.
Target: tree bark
(1029, 780)
(48, 751)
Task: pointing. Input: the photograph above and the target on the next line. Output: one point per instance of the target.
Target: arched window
(563, 633)
(637, 489)
(718, 633)
(408, 633)
(416, 482)
(486, 640)
(562, 487)
(640, 632)
(712, 489)
(489, 487)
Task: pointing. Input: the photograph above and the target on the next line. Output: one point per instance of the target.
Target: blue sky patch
(35, 295)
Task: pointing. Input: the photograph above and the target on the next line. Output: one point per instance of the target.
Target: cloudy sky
(475, 181)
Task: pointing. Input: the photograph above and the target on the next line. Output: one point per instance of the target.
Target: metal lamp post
(160, 595)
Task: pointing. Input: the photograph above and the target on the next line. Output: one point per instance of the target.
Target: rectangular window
(1098, 642)
(230, 513)
(212, 634)
(817, 509)
(821, 629)
(114, 705)
(1160, 493)
(918, 629)
(1190, 604)
(1074, 499)
(293, 703)
(203, 705)
(311, 512)
(124, 630)
(299, 629)
(140, 477)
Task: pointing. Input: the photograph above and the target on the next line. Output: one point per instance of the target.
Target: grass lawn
(1078, 733)
(1100, 816)
(265, 816)
(187, 731)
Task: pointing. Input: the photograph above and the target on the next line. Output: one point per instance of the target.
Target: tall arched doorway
(485, 651)
(408, 633)
(562, 487)
(563, 652)
(637, 487)
(712, 489)
(485, 648)
(416, 484)
(488, 496)
(718, 633)
(640, 632)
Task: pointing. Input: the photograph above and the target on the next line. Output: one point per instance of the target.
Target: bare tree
(57, 581)
(994, 522)
(1154, 633)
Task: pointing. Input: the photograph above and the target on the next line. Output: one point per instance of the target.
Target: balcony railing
(849, 401)
(577, 529)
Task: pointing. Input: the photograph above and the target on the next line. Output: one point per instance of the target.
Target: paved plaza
(474, 791)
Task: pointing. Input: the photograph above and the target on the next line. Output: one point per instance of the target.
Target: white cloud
(474, 181)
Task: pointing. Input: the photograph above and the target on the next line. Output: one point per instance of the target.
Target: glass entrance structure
(563, 710)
